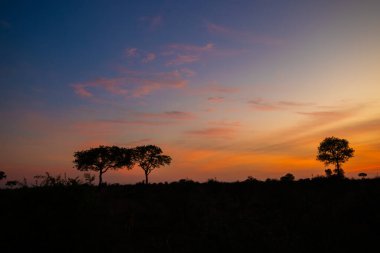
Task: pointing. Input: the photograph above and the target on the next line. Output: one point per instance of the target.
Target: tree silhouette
(149, 157)
(362, 175)
(2, 175)
(11, 183)
(103, 158)
(335, 151)
(328, 172)
(289, 177)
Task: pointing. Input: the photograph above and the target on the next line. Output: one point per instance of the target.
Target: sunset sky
(229, 89)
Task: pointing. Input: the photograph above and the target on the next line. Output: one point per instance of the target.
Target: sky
(228, 89)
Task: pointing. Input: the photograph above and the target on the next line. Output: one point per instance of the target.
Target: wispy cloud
(110, 125)
(218, 132)
(137, 85)
(215, 99)
(261, 104)
(81, 91)
(186, 53)
(326, 114)
(149, 57)
(225, 123)
(183, 59)
(137, 55)
(169, 115)
(294, 103)
(315, 126)
(243, 36)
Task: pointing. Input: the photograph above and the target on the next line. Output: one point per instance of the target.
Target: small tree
(335, 151)
(103, 158)
(289, 177)
(149, 157)
(328, 172)
(11, 183)
(362, 175)
(2, 175)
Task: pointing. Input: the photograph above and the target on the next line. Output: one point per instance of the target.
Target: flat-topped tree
(102, 159)
(335, 151)
(150, 157)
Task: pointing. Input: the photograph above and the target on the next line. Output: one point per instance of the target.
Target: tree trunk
(338, 172)
(100, 178)
(146, 177)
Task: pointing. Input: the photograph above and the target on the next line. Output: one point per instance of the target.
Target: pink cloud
(216, 99)
(149, 57)
(135, 54)
(183, 59)
(148, 86)
(80, 90)
(186, 53)
(141, 84)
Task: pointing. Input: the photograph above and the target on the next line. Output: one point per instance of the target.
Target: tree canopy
(149, 157)
(102, 159)
(335, 151)
(289, 177)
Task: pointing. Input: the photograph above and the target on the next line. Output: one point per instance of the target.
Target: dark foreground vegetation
(319, 215)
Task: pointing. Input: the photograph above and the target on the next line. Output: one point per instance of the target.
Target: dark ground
(303, 216)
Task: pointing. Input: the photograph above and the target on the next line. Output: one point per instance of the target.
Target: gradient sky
(229, 89)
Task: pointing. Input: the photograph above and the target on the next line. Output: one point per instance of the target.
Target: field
(317, 215)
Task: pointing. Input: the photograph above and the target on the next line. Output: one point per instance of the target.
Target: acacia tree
(149, 157)
(102, 159)
(335, 151)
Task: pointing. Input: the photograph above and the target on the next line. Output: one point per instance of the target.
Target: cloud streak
(186, 53)
(261, 104)
(183, 59)
(135, 55)
(214, 132)
(137, 85)
(179, 115)
(215, 99)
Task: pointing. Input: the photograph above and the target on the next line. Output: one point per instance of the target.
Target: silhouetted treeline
(309, 215)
